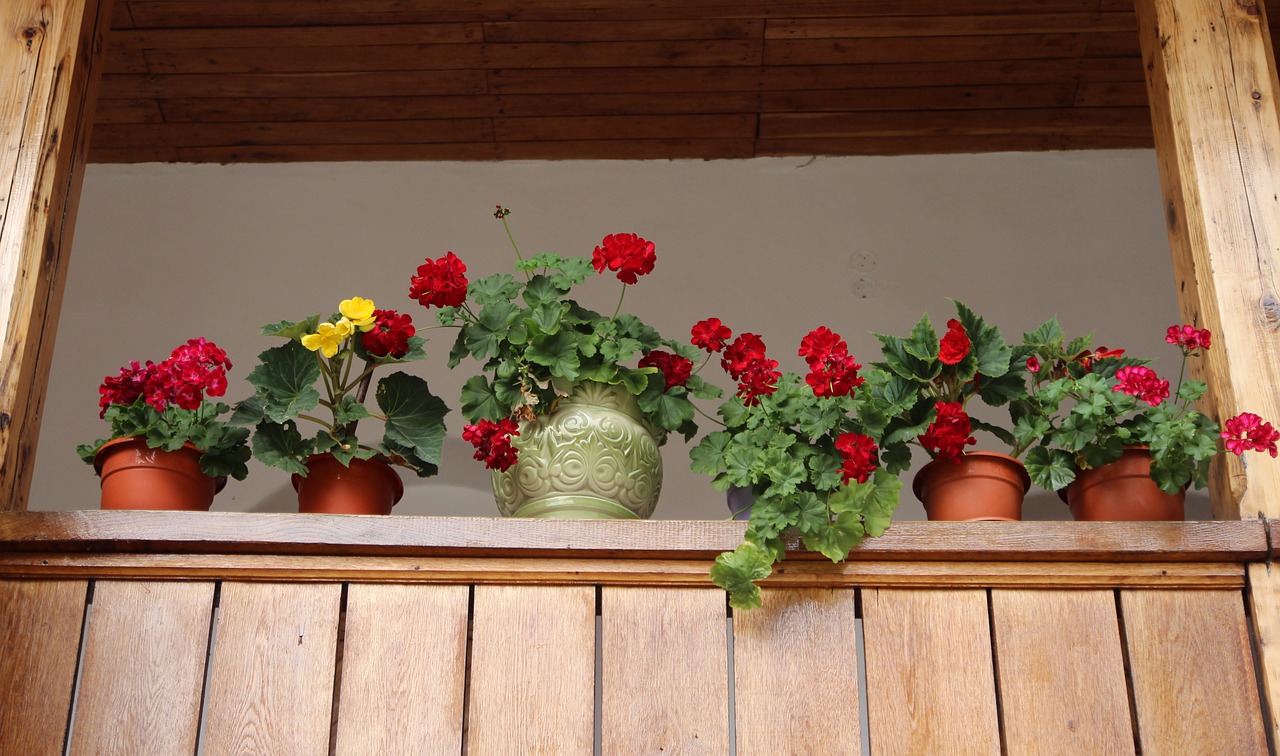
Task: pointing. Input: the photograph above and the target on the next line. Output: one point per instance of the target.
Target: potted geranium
(1101, 421)
(333, 471)
(927, 383)
(169, 447)
(806, 448)
(571, 405)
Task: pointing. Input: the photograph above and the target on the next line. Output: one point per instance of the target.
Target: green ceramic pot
(595, 457)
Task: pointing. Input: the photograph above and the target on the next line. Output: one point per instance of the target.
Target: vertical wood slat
(1194, 688)
(403, 669)
(532, 687)
(1211, 81)
(795, 668)
(273, 663)
(665, 671)
(1061, 672)
(144, 666)
(1264, 603)
(40, 627)
(50, 64)
(930, 681)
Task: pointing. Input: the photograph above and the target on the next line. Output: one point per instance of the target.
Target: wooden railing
(159, 633)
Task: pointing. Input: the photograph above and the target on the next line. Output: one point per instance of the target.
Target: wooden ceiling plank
(784, 52)
(1045, 121)
(444, 130)
(618, 149)
(624, 127)
(949, 25)
(134, 110)
(333, 84)
(1103, 94)
(611, 31)
(297, 36)
(946, 144)
(1051, 95)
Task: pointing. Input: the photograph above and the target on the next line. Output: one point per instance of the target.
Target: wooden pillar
(50, 55)
(1211, 78)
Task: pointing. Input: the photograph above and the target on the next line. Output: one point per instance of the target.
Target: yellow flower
(360, 311)
(344, 327)
(327, 338)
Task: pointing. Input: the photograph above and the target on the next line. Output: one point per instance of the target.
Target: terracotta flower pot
(1122, 490)
(981, 486)
(367, 486)
(135, 476)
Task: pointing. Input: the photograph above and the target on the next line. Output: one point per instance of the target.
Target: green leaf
(736, 571)
(280, 445)
(667, 409)
(480, 402)
(923, 342)
(558, 353)
(825, 471)
(835, 539)
(708, 456)
(496, 289)
(572, 271)
(290, 330)
(1048, 334)
(639, 380)
(285, 380)
(1005, 436)
(483, 338)
(349, 410)
(249, 411)
(988, 347)
(415, 417)
(1050, 469)
(545, 319)
(541, 290)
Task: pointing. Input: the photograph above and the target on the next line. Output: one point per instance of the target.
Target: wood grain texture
(801, 649)
(271, 689)
(1061, 672)
(1194, 688)
(144, 665)
(40, 624)
(50, 62)
(532, 679)
(346, 535)
(1211, 80)
(403, 669)
(665, 671)
(1264, 609)
(634, 572)
(930, 681)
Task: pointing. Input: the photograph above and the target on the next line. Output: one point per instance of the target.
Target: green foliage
(294, 384)
(783, 449)
(224, 447)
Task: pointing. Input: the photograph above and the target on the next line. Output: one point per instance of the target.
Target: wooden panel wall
(288, 670)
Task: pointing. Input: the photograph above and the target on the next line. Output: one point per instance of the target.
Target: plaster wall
(164, 253)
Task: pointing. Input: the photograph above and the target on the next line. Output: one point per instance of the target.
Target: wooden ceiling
(292, 80)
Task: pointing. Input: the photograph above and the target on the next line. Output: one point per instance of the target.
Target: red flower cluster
(710, 334)
(860, 456)
(947, 436)
(1143, 383)
(833, 371)
(390, 334)
(1247, 432)
(954, 345)
(493, 442)
(442, 283)
(675, 369)
(626, 254)
(193, 370)
(1087, 358)
(745, 362)
(1188, 338)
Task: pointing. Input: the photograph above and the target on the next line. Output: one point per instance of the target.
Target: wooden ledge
(345, 535)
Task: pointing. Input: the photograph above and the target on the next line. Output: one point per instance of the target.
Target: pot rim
(220, 481)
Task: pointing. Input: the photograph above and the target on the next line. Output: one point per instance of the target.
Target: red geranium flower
(759, 379)
(493, 442)
(1247, 432)
(626, 254)
(1188, 338)
(710, 334)
(124, 388)
(860, 456)
(440, 283)
(947, 435)
(833, 371)
(954, 345)
(675, 369)
(1033, 364)
(390, 334)
(1087, 358)
(738, 356)
(1143, 383)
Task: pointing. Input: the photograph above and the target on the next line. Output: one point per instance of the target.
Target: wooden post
(1211, 79)
(50, 56)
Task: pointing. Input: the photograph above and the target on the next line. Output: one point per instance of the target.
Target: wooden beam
(1211, 81)
(49, 56)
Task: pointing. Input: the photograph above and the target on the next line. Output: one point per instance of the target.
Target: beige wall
(164, 253)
